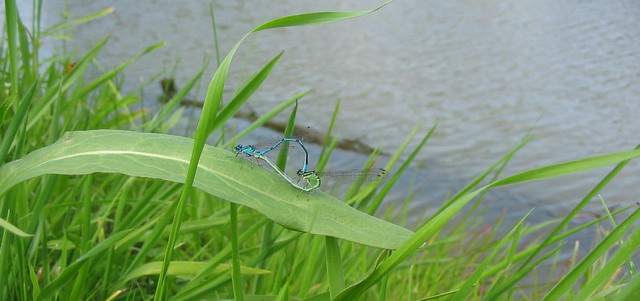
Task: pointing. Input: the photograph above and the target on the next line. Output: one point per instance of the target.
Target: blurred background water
(487, 72)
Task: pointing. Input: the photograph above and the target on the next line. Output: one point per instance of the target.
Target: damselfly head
(306, 174)
(244, 149)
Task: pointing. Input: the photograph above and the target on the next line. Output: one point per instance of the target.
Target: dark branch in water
(170, 89)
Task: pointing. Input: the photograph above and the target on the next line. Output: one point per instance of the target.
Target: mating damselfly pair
(312, 178)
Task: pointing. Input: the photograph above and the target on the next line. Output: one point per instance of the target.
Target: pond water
(487, 72)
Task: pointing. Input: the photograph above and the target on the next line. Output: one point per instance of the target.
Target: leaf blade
(219, 173)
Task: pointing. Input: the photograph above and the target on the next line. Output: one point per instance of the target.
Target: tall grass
(98, 204)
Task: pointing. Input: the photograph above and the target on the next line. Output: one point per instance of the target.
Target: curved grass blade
(442, 218)
(631, 291)
(65, 24)
(41, 108)
(249, 87)
(315, 18)
(219, 173)
(265, 117)
(579, 207)
(375, 203)
(562, 287)
(283, 154)
(13, 229)
(71, 271)
(12, 23)
(186, 268)
(170, 106)
(466, 289)
(236, 276)
(11, 131)
(609, 271)
(91, 86)
(210, 108)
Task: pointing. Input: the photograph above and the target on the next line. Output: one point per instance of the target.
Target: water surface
(487, 72)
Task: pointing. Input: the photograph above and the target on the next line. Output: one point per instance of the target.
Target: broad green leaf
(220, 173)
(187, 268)
(13, 229)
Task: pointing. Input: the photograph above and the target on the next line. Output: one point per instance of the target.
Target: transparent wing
(295, 144)
(366, 175)
(267, 144)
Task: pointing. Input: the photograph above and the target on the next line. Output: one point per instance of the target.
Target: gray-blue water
(487, 72)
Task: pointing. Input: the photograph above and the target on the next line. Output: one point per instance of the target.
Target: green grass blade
(66, 24)
(325, 153)
(375, 204)
(357, 193)
(220, 173)
(283, 154)
(319, 297)
(493, 270)
(632, 291)
(27, 67)
(170, 106)
(16, 121)
(94, 84)
(513, 279)
(309, 269)
(249, 87)
(215, 33)
(42, 108)
(328, 150)
(265, 117)
(315, 18)
(623, 254)
(477, 180)
(236, 276)
(196, 285)
(12, 19)
(13, 229)
(212, 102)
(187, 268)
(389, 166)
(579, 207)
(472, 280)
(566, 168)
(334, 266)
(562, 287)
(396, 156)
(71, 271)
(629, 264)
(438, 221)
